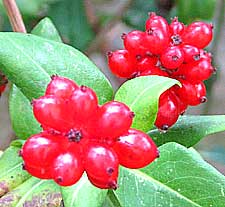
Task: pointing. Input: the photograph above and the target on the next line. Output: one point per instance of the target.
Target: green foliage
(192, 10)
(189, 130)
(180, 177)
(72, 23)
(83, 194)
(141, 95)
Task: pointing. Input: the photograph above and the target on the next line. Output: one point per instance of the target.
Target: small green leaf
(180, 177)
(33, 192)
(192, 10)
(141, 95)
(83, 194)
(189, 130)
(45, 28)
(70, 18)
(29, 61)
(11, 173)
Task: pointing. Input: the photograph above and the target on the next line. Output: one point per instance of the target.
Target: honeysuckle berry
(172, 50)
(135, 149)
(198, 34)
(78, 135)
(172, 57)
(168, 111)
(3, 82)
(121, 63)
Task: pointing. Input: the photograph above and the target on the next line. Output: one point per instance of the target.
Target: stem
(14, 16)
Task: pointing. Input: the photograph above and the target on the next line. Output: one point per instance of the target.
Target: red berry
(168, 111)
(68, 168)
(40, 150)
(146, 63)
(134, 42)
(156, 40)
(3, 82)
(198, 34)
(205, 55)
(104, 184)
(121, 63)
(101, 162)
(197, 71)
(39, 172)
(113, 119)
(53, 112)
(176, 27)
(191, 53)
(60, 87)
(172, 57)
(84, 104)
(155, 21)
(192, 93)
(135, 149)
(154, 71)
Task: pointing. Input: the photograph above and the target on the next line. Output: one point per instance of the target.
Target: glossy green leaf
(34, 192)
(11, 173)
(29, 61)
(137, 14)
(83, 194)
(70, 18)
(141, 95)
(45, 28)
(192, 10)
(180, 177)
(189, 130)
(23, 122)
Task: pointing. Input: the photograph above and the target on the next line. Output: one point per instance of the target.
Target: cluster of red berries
(3, 82)
(80, 135)
(172, 50)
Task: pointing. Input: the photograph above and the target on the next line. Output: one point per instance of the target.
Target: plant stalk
(14, 16)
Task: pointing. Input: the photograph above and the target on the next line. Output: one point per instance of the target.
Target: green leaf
(70, 18)
(141, 95)
(137, 14)
(33, 192)
(83, 194)
(189, 130)
(45, 28)
(29, 61)
(11, 173)
(23, 122)
(192, 10)
(180, 177)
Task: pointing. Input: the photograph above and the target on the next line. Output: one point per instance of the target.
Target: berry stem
(14, 16)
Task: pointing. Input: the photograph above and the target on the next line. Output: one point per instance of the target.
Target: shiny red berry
(168, 111)
(191, 53)
(192, 93)
(84, 104)
(154, 71)
(113, 119)
(53, 112)
(155, 21)
(121, 63)
(39, 172)
(146, 63)
(176, 27)
(172, 57)
(40, 150)
(68, 168)
(156, 40)
(198, 34)
(135, 149)
(101, 162)
(60, 87)
(134, 42)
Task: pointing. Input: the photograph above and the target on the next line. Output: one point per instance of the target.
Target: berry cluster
(3, 82)
(172, 50)
(80, 135)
